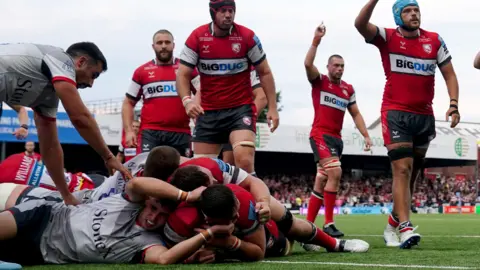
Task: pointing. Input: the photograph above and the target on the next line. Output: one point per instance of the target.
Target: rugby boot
(331, 230)
(390, 236)
(408, 236)
(310, 247)
(351, 245)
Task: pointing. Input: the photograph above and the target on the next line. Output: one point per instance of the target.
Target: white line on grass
(427, 236)
(373, 265)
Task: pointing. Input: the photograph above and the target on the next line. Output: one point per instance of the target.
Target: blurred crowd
(366, 191)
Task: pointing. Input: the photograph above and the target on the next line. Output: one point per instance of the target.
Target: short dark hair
(334, 56)
(189, 178)
(90, 49)
(218, 201)
(162, 31)
(161, 162)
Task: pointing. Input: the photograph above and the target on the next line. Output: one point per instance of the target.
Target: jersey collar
(155, 62)
(212, 29)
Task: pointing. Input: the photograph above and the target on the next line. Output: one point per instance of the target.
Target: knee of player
(333, 169)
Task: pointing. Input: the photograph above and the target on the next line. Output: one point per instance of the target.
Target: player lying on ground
(27, 171)
(119, 229)
(160, 163)
(186, 218)
(246, 220)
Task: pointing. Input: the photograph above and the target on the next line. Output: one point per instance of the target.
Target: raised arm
(362, 22)
(310, 68)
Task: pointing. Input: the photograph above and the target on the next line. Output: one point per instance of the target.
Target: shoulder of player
(434, 36)
(244, 31)
(201, 30)
(344, 84)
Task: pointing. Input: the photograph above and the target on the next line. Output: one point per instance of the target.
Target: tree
(262, 117)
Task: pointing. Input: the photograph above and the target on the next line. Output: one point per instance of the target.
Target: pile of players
(206, 211)
(173, 207)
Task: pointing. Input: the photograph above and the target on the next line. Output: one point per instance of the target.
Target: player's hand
(263, 210)
(273, 119)
(454, 113)
(131, 139)
(113, 164)
(220, 231)
(202, 255)
(320, 32)
(21, 133)
(368, 144)
(70, 200)
(194, 110)
(194, 195)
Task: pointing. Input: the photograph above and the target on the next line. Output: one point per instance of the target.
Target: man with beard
(410, 56)
(331, 97)
(163, 117)
(224, 53)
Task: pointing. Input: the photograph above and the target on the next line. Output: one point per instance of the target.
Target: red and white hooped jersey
(410, 65)
(224, 65)
(330, 101)
(162, 108)
(25, 170)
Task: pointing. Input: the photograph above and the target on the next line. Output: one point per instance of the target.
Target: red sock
(316, 201)
(329, 198)
(393, 220)
(324, 240)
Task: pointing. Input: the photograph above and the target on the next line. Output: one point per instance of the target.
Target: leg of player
(9, 194)
(243, 144)
(227, 154)
(334, 174)
(418, 162)
(8, 226)
(308, 233)
(316, 199)
(401, 156)
(202, 149)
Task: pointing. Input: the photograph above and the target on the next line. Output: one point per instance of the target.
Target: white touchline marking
(374, 265)
(427, 236)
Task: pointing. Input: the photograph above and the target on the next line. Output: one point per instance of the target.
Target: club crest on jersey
(247, 120)
(345, 92)
(427, 48)
(236, 47)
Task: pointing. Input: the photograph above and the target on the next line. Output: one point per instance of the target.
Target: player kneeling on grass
(122, 228)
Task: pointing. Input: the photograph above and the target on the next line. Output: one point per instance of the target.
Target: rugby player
(410, 55)
(22, 170)
(163, 117)
(160, 163)
(118, 229)
(260, 100)
(224, 52)
(38, 76)
(221, 204)
(331, 97)
(125, 153)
